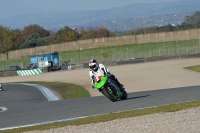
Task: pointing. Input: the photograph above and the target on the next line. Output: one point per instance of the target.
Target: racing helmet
(93, 65)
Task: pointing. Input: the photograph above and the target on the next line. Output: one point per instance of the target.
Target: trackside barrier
(30, 72)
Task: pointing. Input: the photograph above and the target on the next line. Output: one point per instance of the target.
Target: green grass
(66, 90)
(194, 68)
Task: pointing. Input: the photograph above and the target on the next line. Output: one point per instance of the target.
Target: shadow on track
(129, 98)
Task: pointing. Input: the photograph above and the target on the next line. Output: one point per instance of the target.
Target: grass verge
(194, 68)
(65, 90)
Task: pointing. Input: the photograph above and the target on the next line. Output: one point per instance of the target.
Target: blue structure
(52, 58)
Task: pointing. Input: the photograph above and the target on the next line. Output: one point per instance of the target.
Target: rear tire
(105, 91)
(124, 96)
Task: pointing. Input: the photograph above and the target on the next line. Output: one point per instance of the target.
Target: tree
(193, 19)
(33, 41)
(34, 29)
(73, 36)
(18, 39)
(184, 26)
(95, 33)
(6, 40)
(41, 42)
(52, 39)
(64, 30)
(198, 24)
(67, 34)
(112, 34)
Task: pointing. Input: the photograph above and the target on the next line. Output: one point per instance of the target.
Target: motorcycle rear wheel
(124, 96)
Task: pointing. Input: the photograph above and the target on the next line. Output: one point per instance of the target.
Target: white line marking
(48, 94)
(42, 123)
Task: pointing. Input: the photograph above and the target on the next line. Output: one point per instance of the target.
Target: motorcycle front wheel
(109, 93)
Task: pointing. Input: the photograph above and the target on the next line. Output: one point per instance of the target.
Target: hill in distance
(115, 19)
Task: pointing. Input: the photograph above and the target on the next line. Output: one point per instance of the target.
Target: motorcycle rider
(98, 69)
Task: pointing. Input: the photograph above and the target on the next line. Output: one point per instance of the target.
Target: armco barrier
(30, 72)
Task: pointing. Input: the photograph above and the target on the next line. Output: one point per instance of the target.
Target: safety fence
(127, 52)
(116, 53)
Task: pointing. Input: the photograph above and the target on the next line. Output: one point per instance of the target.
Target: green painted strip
(33, 73)
(35, 70)
(39, 70)
(26, 72)
(23, 73)
(18, 73)
(30, 72)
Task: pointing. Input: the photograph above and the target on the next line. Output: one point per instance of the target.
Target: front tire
(108, 94)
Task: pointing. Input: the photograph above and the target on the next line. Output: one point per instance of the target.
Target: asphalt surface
(25, 105)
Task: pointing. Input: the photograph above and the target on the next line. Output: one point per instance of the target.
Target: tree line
(34, 35)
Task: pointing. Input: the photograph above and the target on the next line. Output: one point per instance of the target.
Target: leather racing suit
(102, 71)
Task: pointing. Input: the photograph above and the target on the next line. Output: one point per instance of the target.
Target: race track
(27, 106)
(148, 84)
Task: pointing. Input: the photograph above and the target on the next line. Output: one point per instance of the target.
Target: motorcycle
(109, 88)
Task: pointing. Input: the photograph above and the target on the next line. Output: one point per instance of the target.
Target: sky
(18, 7)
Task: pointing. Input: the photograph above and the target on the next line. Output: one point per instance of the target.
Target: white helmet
(93, 65)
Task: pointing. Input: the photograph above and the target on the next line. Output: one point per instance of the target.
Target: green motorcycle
(109, 88)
